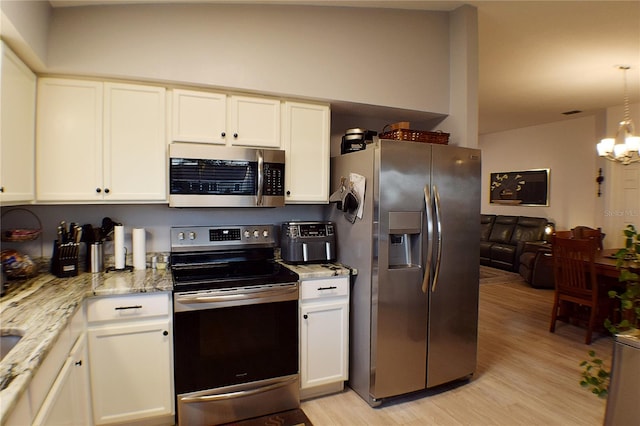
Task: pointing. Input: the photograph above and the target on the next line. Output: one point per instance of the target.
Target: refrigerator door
(399, 313)
(453, 296)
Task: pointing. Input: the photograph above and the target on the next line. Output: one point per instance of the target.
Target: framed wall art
(523, 188)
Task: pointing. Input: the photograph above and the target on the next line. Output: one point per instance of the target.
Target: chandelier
(624, 147)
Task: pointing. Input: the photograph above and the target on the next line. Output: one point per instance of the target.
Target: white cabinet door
(17, 131)
(69, 140)
(199, 117)
(324, 343)
(68, 400)
(131, 371)
(306, 129)
(135, 148)
(254, 122)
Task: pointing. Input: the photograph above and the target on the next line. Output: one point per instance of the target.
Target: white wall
(567, 148)
(384, 57)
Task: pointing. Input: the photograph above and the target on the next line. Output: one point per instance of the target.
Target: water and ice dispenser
(405, 239)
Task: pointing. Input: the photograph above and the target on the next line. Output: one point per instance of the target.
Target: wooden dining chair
(584, 232)
(576, 280)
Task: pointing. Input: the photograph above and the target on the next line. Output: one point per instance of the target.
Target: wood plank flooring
(525, 376)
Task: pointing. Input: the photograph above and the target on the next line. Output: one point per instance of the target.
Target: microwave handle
(260, 156)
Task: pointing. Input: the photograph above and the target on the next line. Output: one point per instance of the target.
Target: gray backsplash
(155, 218)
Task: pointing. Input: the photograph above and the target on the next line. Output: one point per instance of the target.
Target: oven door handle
(238, 394)
(280, 293)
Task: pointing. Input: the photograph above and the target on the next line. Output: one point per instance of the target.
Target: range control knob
(256, 234)
(265, 233)
(192, 235)
(247, 234)
(181, 236)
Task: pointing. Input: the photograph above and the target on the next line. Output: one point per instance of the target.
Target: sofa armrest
(529, 246)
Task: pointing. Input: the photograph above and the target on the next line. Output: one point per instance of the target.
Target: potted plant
(595, 374)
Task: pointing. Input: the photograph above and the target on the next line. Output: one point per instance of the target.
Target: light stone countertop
(319, 270)
(40, 308)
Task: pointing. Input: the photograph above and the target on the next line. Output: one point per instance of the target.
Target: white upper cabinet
(215, 118)
(305, 132)
(254, 122)
(100, 142)
(135, 148)
(69, 140)
(199, 117)
(17, 131)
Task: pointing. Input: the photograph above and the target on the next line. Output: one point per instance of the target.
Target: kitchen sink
(8, 340)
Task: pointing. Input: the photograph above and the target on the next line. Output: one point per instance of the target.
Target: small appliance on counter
(308, 242)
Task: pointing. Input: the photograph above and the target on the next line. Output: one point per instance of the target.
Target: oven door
(236, 353)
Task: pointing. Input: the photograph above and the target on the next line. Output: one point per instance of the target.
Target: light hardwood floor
(525, 375)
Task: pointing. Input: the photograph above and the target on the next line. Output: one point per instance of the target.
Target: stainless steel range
(235, 324)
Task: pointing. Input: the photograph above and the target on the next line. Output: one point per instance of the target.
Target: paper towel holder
(126, 268)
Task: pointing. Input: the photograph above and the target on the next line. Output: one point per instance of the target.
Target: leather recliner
(503, 237)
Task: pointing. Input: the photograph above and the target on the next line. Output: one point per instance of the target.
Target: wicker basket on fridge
(416, 136)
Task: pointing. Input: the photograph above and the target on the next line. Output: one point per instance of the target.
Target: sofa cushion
(528, 229)
(486, 223)
(503, 253)
(485, 250)
(502, 229)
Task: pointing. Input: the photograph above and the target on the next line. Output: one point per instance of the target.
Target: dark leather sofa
(502, 238)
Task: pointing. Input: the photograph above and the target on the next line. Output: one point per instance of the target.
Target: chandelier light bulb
(633, 143)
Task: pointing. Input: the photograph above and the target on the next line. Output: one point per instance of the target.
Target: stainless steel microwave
(219, 176)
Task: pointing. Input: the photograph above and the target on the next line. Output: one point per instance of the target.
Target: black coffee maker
(356, 140)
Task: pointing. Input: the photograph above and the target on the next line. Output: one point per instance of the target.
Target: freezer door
(399, 314)
(453, 297)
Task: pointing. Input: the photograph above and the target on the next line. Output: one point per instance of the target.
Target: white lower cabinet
(131, 352)
(68, 402)
(59, 392)
(324, 335)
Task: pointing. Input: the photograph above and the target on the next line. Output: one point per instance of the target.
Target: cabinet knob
(106, 190)
(98, 190)
(305, 316)
(235, 135)
(1, 188)
(288, 193)
(223, 134)
(165, 333)
(79, 363)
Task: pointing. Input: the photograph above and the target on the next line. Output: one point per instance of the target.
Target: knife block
(64, 261)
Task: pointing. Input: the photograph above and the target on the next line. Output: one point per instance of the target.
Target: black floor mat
(294, 417)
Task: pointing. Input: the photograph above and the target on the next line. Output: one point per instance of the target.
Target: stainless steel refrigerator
(414, 301)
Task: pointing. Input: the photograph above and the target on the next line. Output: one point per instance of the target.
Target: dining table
(606, 264)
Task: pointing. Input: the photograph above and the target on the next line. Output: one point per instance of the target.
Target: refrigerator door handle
(436, 197)
(427, 266)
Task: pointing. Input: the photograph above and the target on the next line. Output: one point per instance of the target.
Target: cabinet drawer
(127, 307)
(319, 289)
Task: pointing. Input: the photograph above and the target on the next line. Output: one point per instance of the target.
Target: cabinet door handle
(235, 135)
(98, 190)
(106, 190)
(165, 333)
(223, 134)
(79, 363)
(121, 308)
(327, 288)
(305, 316)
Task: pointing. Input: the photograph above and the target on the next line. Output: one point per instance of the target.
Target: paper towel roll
(139, 248)
(118, 246)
